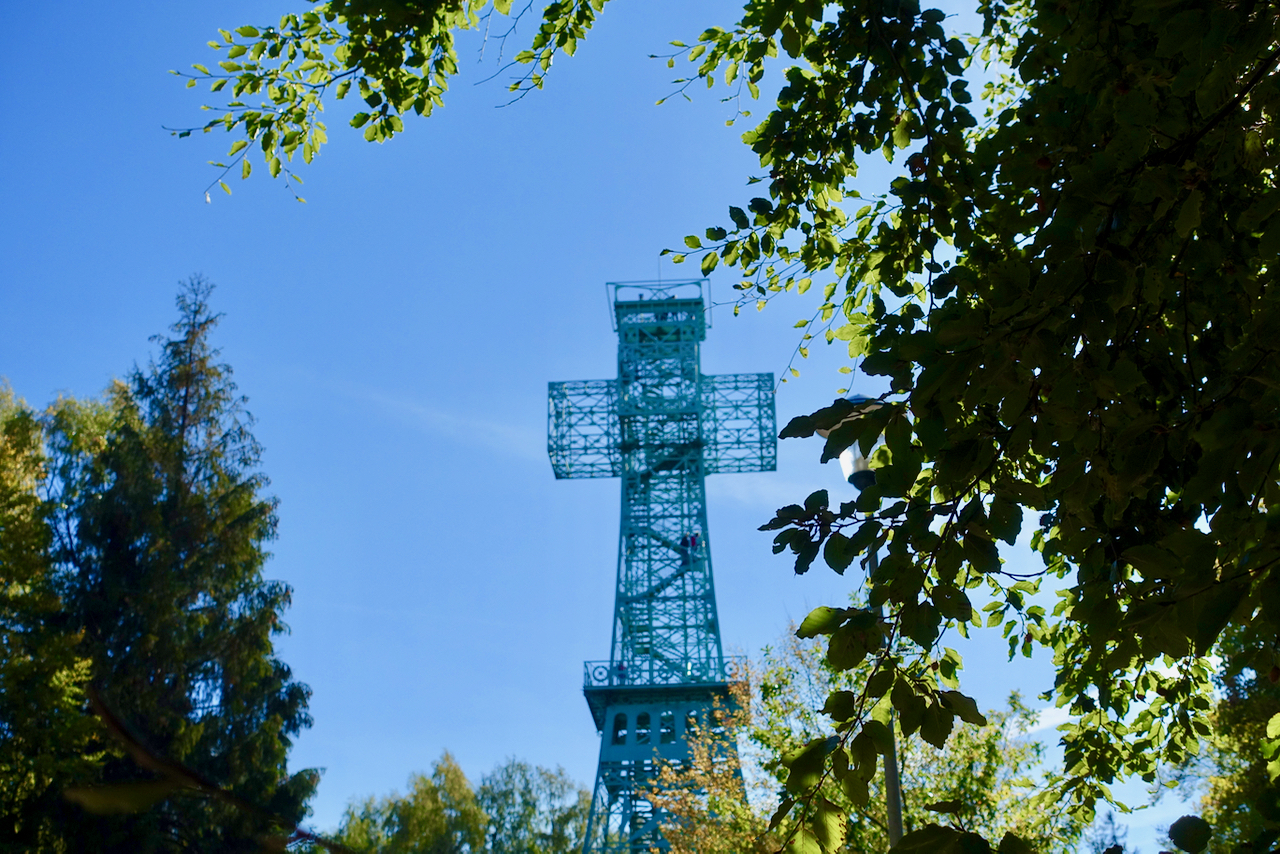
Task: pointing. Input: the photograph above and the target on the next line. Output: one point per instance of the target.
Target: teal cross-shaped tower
(661, 426)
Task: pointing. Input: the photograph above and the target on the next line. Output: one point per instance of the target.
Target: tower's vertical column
(665, 614)
(660, 427)
(666, 665)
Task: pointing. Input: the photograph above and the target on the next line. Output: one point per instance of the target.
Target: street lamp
(852, 464)
(856, 471)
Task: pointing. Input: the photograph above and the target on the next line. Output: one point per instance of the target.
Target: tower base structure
(642, 727)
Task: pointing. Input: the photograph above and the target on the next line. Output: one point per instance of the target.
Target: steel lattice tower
(661, 426)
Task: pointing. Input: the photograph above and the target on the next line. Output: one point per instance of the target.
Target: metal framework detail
(583, 436)
(661, 427)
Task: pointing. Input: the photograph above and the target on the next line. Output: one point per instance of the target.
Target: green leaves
(842, 705)
(160, 484)
(1189, 216)
(902, 130)
(936, 723)
(1271, 748)
(822, 621)
(1059, 361)
(807, 764)
(1190, 833)
(827, 826)
(941, 840)
(964, 707)
(1012, 844)
(401, 57)
(958, 774)
(49, 742)
(839, 552)
(1005, 520)
(854, 634)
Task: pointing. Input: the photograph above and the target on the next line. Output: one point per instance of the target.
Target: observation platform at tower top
(668, 310)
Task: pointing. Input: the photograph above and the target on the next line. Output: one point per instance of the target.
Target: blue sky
(395, 336)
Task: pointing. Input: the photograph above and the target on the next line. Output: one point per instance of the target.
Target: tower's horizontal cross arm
(582, 428)
(739, 427)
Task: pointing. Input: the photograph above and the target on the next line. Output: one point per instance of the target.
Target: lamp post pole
(892, 783)
(858, 473)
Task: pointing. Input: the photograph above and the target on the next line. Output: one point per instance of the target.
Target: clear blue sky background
(395, 336)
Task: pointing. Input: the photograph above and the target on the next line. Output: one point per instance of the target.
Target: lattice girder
(582, 439)
(738, 423)
(661, 426)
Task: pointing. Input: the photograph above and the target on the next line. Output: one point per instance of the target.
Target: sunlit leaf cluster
(1070, 303)
(397, 56)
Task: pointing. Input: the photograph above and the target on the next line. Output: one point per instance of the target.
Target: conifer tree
(160, 535)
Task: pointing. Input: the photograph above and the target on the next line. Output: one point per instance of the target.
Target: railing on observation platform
(609, 674)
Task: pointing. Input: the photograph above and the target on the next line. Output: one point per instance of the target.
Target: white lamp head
(853, 465)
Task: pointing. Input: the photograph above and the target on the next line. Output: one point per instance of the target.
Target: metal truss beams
(661, 426)
(583, 436)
